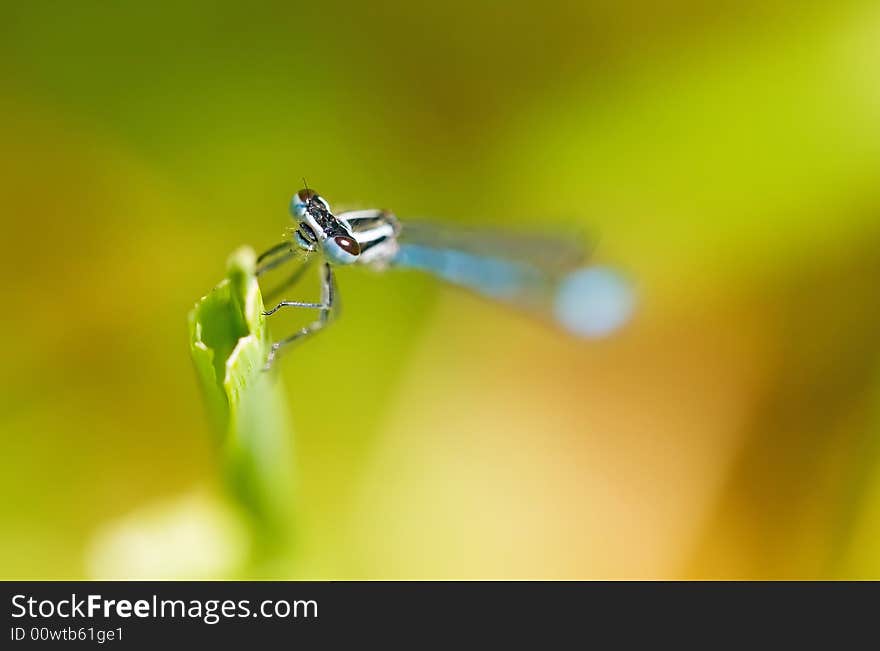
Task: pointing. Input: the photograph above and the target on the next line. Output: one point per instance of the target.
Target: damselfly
(545, 275)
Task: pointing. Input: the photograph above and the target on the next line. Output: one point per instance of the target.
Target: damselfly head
(318, 227)
(307, 200)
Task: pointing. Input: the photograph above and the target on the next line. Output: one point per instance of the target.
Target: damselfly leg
(290, 281)
(274, 257)
(327, 307)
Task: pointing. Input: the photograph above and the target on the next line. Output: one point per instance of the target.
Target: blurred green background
(727, 154)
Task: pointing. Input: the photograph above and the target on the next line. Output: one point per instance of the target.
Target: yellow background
(726, 154)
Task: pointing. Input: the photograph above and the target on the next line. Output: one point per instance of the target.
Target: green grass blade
(247, 406)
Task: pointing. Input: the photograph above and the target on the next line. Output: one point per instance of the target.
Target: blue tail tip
(594, 302)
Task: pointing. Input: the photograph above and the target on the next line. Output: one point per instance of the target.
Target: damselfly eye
(348, 244)
(305, 194)
(304, 201)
